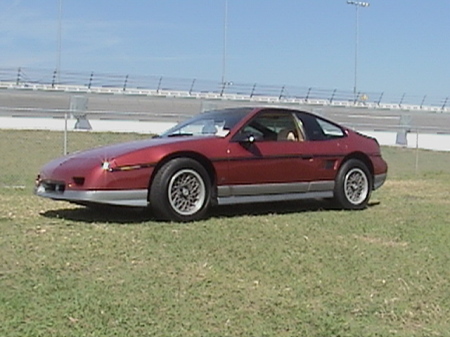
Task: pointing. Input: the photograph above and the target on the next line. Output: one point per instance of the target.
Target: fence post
(125, 83)
(18, 76)
(307, 95)
(356, 97)
(445, 103)
(159, 85)
(281, 93)
(401, 100)
(54, 79)
(417, 151)
(379, 99)
(192, 87)
(223, 88)
(65, 133)
(253, 90)
(90, 80)
(423, 101)
(332, 96)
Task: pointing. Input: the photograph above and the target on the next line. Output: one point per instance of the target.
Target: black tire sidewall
(159, 199)
(339, 189)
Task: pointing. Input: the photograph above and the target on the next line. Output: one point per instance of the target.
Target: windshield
(217, 122)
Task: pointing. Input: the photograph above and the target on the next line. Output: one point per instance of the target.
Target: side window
(330, 130)
(273, 126)
(253, 130)
(316, 128)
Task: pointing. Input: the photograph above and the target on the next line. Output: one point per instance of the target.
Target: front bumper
(57, 191)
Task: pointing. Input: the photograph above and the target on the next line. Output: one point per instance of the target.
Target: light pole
(58, 42)
(225, 31)
(357, 4)
(58, 67)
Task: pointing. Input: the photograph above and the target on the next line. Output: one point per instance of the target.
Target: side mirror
(251, 139)
(245, 138)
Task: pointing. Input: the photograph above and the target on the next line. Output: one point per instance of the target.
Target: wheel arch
(364, 158)
(204, 161)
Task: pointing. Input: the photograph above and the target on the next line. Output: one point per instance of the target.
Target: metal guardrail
(83, 82)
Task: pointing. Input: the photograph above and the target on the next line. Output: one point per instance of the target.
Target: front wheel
(353, 185)
(180, 191)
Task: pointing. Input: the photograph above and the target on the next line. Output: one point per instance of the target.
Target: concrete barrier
(438, 142)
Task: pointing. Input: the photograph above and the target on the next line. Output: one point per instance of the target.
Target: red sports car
(230, 156)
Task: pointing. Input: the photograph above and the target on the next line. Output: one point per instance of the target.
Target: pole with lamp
(357, 4)
(225, 38)
(58, 67)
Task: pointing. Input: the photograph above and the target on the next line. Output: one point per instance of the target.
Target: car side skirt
(274, 192)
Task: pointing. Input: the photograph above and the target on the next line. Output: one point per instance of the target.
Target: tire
(353, 185)
(180, 191)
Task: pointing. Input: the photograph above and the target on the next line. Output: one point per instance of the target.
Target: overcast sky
(404, 45)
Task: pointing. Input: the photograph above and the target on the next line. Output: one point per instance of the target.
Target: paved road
(35, 103)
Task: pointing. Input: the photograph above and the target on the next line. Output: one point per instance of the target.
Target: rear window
(317, 128)
(330, 130)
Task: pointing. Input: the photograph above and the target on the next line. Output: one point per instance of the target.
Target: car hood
(117, 150)
(110, 152)
(83, 161)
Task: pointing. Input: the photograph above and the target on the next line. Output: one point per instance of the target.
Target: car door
(326, 146)
(269, 155)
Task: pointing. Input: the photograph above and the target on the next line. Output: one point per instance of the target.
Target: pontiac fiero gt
(230, 156)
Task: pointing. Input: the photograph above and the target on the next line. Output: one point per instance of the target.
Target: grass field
(290, 269)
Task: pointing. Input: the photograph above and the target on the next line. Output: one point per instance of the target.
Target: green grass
(292, 269)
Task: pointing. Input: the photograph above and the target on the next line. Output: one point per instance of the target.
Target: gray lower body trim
(379, 180)
(132, 198)
(233, 194)
(273, 197)
(230, 194)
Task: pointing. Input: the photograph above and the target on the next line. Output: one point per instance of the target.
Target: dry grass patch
(380, 241)
(426, 190)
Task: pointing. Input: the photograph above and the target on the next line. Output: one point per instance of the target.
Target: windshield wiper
(185, 134)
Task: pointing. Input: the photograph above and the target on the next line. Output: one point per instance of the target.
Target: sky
(403, 45)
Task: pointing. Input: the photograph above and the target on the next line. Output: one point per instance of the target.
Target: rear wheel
(181, 191)
(353, 185)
